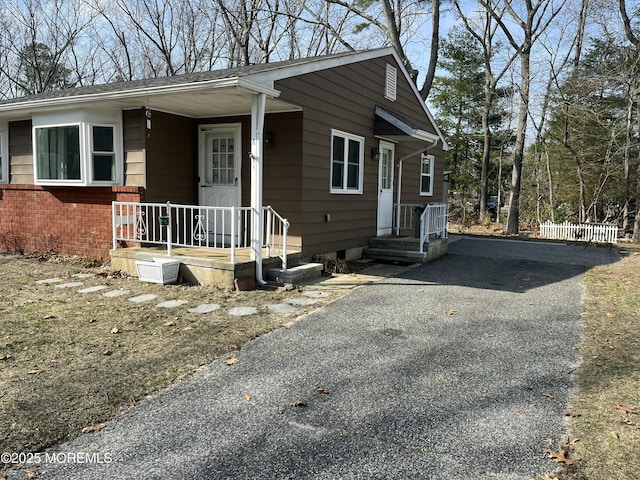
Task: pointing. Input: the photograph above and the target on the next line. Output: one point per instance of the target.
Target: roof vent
(391, 83)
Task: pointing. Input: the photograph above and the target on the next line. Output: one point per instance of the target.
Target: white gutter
(399, 193)
(53, 101)
(258, 105)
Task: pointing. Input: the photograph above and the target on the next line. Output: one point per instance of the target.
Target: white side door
(385, 188)
(220, 167)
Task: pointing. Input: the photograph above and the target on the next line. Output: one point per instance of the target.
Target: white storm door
(220, 168)
(385, 188)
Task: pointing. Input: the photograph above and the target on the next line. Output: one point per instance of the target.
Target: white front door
(385, 189)
(220, 167)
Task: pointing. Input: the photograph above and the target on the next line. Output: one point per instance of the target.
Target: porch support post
(257, 127)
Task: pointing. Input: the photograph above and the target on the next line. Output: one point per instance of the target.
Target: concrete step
(297, 274)
(395, 255)
(396, 243)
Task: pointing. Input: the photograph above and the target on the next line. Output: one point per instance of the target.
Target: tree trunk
(435, 45)
(636, 225)
(513, 218)
(486, 151)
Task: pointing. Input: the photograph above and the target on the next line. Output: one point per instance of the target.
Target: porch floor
(205, 266)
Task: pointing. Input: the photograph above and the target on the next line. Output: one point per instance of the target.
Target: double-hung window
(82, 153)
(426, 175)
(347, 162)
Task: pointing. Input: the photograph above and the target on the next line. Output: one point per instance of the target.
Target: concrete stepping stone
(93, 289)
(143, 298)
(83, 275)
(115, 293)
(302, 302)
(47, 281)
(172, 304)
(69, 285)
(315, 294)
(205, 308)
(282, 308)
(243, 311)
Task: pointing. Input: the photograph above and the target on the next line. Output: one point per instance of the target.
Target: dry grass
(62, 367)
(608, 398)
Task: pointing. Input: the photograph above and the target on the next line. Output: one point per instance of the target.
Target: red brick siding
(64, 220)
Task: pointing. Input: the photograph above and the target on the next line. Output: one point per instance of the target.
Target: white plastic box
(158, 270)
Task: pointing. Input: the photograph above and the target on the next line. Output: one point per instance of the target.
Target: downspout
(257, 126)
(399, 192)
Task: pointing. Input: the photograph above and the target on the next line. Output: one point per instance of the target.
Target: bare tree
(634, 92)
(485, 34)
(533, 22)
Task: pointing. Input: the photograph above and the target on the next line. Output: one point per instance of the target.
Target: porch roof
(394, 126)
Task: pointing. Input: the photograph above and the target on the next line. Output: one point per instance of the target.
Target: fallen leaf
(615, 434)
(169, 323)
(116, 330)
(299, 403)
(49, 317)
(549, 395)
(488, 335)
(572, 414)
(520, 411)
(94, 428)
(35, 371)
(247, 397)
(611, 315)
(107, 352)
(451, 312)
(625, 410)
(231, 361)
(559, 457)
(187, 328)
(549, 441)
(572, 441)
(5, 357)
(31, 473)
(322, 391)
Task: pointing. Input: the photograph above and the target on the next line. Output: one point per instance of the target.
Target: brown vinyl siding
(344, 98)
(133, 132)
(21, 152)
(172, 174)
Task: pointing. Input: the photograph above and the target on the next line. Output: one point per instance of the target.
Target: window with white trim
(4, 160)
(347, 162)
(81, 153)
(426, 174)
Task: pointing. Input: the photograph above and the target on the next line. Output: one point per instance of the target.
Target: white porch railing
(194, 226)
(585, 232)
(433, 220)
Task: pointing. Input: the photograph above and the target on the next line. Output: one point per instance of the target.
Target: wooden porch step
(396, 255)
(297, 274)
(396, 243)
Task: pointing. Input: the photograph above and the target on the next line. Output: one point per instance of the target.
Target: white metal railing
(194, 226)
(585, 232)
(433, 220)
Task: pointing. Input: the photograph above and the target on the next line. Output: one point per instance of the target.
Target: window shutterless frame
(77, 154)
(347, 163)
(426, 175)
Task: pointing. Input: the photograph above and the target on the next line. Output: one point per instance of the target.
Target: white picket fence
(583, 232)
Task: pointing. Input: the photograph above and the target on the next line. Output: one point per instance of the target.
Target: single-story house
(321, 154)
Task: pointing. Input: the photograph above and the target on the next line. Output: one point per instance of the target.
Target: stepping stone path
(243, 311)
(116, 293)
(143, 298)
(205, 308)
(69, 285)
(48, 281)
(282, 308)
(97, 288)
(171, 303)
(291, 305)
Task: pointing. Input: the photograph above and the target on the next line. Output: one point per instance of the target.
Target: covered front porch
(213, 244)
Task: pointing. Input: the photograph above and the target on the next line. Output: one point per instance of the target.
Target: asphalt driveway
(458, 369)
